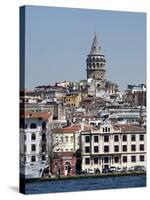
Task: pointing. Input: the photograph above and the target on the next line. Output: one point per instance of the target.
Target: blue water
(85, 184)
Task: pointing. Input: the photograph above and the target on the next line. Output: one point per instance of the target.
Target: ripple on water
(85, 184)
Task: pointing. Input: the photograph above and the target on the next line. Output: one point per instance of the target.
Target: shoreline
(81, 177)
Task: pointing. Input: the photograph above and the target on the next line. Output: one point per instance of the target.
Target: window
(106, 138)
(43, 157)
(124, 138)
(116, 159)
(124, 148)
(141, 137)
(33, 125)
(61, 138)
(71, 139)
(133, 137)
(96, 138)
(106, 148)
(141, 147)
(96, 149)
(44, 137)
(25, 137)
(97, 64)
(141, 158)
(25, 148)
(96, 160)
(87, 149)
(33, 137)
(87, 139)
(66, 138)
(116, 138)
(87, 161)
(105, 129)
(133, 158)
(106, 159)
(43, 147)
(124, 158)
(108, 129)
(133, 147)
(33, 158)
(33, 147)
(116, 148)
(43, 125)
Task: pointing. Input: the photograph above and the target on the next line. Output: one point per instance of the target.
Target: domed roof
(95, 49)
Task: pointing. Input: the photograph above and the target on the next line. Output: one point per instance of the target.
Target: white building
(33, 143)
(109, 145)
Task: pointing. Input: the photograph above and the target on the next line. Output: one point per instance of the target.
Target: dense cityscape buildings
(90, 126)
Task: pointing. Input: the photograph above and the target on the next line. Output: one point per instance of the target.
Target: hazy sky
(59, 39)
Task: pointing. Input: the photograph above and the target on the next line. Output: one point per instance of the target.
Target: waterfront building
(33, 143)
(66, 144)
(122, 146)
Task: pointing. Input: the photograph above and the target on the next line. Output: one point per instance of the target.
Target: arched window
(90, 65)
(43, 125)
(97, 65)
(93, 65)
(43, 157)
(33, 158)
(93, 59)
(33, 125)
(43, 137)
(33, 137)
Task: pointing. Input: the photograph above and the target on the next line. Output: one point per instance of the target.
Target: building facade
(72, 100)
(66, 143)
(33, 143)
(109, 145)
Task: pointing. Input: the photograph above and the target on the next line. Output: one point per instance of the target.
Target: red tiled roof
(35, 115)
(71, 129)
(128, 127)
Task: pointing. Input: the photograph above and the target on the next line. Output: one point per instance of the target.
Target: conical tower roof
(95, 49)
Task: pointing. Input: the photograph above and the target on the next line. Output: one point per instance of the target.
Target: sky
(58, 41)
